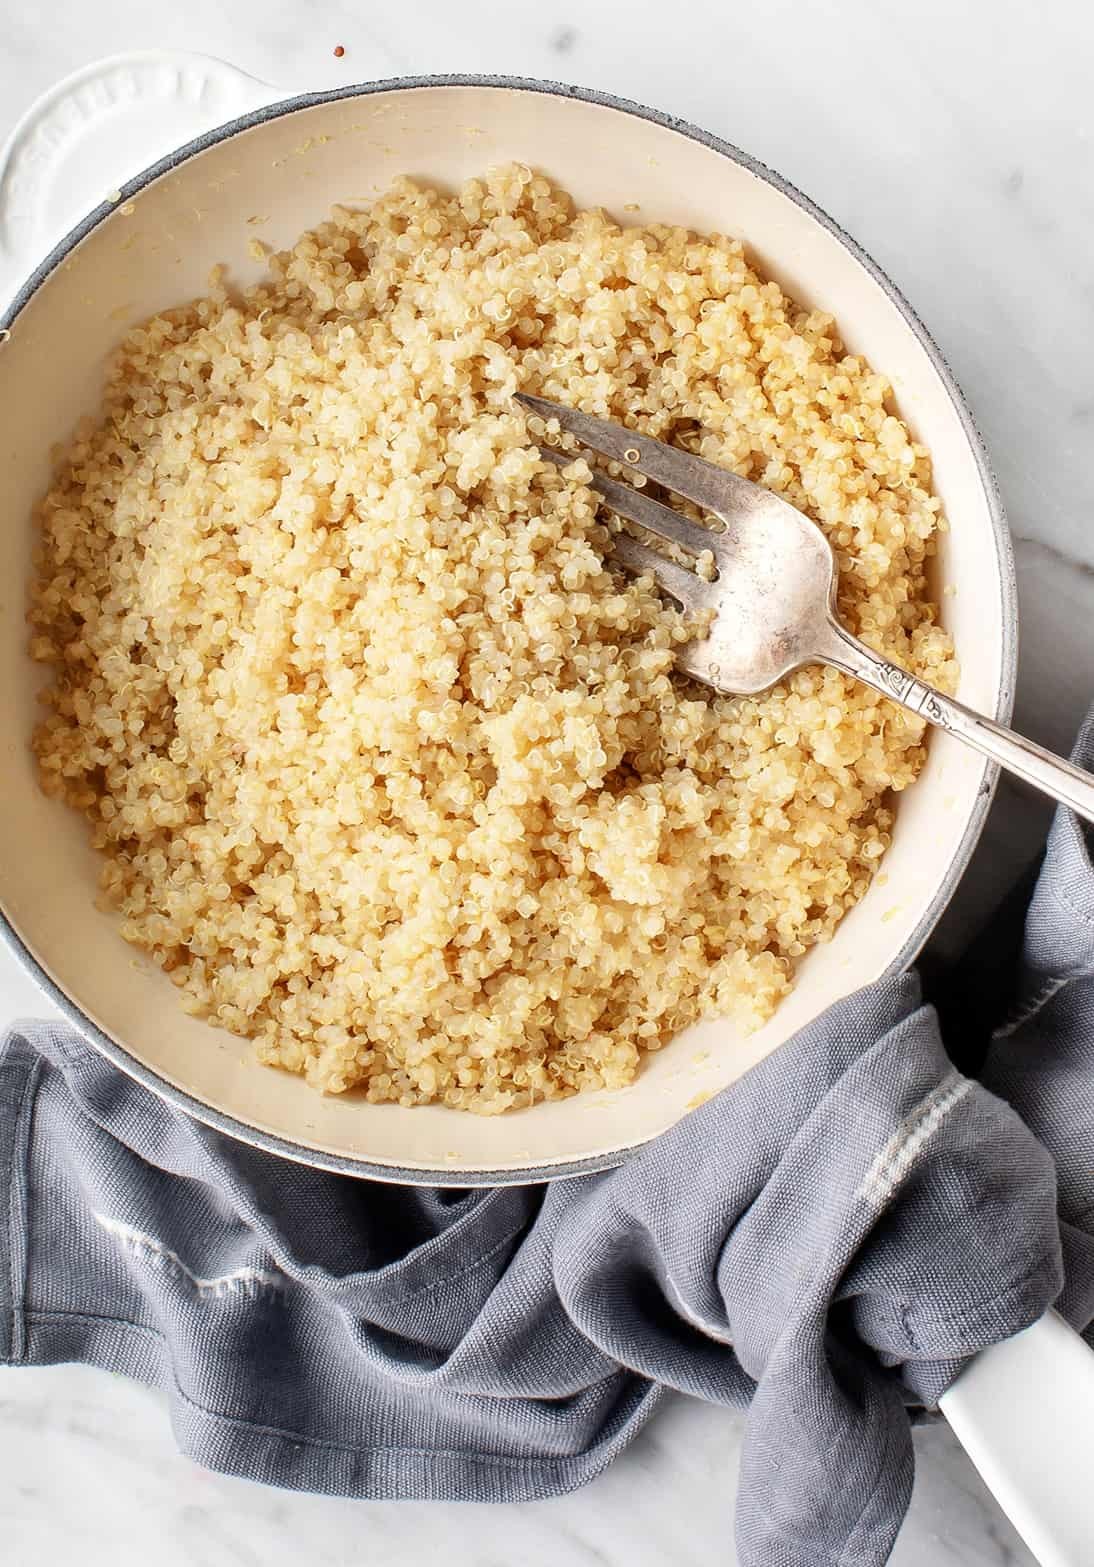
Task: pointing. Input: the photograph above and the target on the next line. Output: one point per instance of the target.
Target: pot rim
(341, 1164)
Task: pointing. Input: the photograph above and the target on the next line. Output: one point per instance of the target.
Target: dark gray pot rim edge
(339, 1164)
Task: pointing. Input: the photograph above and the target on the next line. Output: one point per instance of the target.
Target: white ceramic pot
(274, 171)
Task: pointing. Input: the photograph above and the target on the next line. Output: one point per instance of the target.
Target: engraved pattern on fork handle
(913, 694)
(855, 658)
(1054, 776)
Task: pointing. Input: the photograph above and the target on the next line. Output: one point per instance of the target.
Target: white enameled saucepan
(144, 171)
(149, 242)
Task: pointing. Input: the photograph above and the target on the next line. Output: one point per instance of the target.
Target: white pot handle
(83, 139)
(1024, 1413)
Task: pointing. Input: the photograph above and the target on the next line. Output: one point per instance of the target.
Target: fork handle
(1051, 774)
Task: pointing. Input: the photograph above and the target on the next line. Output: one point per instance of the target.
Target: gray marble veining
(956, 143)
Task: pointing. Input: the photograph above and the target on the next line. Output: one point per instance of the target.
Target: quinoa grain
(391, 775)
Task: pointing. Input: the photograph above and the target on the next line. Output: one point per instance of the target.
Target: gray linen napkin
(825, 1242)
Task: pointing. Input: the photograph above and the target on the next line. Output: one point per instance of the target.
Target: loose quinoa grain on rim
(390, 773)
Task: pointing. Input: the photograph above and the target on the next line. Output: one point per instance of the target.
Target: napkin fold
(825, 1242)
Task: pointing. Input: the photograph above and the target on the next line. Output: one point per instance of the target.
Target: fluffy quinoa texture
(391, 774)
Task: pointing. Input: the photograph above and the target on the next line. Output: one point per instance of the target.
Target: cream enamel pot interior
(152, 245)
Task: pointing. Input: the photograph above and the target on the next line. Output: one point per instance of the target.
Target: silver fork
(774, 593)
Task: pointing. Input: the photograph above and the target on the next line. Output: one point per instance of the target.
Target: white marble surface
(956, 142)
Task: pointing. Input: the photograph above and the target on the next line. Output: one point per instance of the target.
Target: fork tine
(636, 507)
(638, 558)
(692, 477)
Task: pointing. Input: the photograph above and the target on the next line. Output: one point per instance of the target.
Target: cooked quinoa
(391, 774)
